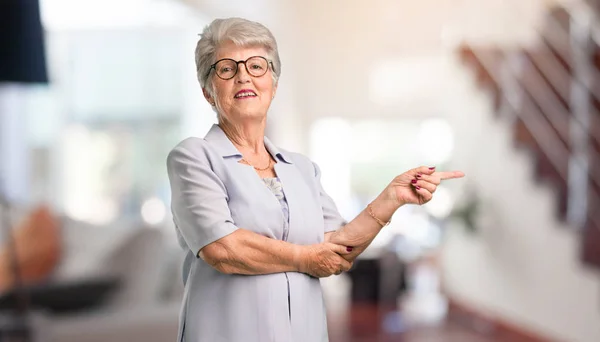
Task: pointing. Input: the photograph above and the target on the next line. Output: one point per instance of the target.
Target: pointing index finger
(450, 174)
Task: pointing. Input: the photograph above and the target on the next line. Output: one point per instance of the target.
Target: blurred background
(94, 94)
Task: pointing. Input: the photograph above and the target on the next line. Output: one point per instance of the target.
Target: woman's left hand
(417, 186)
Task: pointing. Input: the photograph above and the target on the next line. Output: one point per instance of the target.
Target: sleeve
(198, 200)
(331, 215)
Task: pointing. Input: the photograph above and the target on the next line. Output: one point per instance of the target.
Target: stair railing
(547, 114)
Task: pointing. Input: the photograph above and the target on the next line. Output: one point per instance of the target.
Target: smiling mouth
(245, 94)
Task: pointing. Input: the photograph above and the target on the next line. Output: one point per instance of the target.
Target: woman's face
(243, 96)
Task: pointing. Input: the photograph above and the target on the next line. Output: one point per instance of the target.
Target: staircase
(551, 94)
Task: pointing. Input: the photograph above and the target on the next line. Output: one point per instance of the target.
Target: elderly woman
(258, 228)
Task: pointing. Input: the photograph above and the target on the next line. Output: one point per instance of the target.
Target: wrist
(387, 204)
(298, 258)
(389, 198)
(384, 208)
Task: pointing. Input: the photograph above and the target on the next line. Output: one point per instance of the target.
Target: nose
(242, 75)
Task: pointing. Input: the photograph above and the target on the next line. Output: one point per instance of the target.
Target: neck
(247, 137)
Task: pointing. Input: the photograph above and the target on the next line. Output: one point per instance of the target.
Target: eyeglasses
(227, 68)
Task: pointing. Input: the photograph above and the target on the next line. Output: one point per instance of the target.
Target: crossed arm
(200, 200)
(360, 232)
(200, 209)
(234, 250)
(245, 252)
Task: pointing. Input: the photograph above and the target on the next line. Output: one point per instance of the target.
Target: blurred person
(258, 228)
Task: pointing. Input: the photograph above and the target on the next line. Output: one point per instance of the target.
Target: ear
(208, 97)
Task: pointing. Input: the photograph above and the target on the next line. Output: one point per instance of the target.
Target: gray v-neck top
(274, 184)
(212, 195)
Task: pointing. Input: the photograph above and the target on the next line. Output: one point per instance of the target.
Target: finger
(424, 170)
(345, 265)
(433, 179)
(423, 184)
(339, 249)
(450, 174)
(424, 193)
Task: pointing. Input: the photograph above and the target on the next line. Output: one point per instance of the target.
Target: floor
(372, 328)
(417, 316)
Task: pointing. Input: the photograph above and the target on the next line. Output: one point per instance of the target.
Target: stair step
(590, 242)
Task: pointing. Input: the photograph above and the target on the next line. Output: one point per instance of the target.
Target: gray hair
(241, 32)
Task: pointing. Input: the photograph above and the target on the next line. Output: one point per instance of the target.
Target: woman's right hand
(323, 259)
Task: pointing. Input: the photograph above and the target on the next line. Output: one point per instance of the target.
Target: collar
(217, 138)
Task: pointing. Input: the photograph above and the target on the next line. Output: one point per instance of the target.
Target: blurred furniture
(377, 284)
(31, 251)
(61, 297)
(136, 256)
(132, 266)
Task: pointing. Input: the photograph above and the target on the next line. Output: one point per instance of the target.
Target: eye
(225, 66)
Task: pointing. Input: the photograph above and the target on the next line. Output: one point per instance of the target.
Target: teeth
(245, 94)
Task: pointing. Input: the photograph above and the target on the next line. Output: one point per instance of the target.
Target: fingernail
(418, 175)
(349, 249)
(414, 181)
(431, 168)
(418, 187)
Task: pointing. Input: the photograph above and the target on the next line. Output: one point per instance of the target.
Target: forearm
(248, 253)
(360, 232)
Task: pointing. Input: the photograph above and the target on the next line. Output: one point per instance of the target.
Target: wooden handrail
(540, 129)
(553, 109)
(553, 40)
(553, 70)
(556, 74)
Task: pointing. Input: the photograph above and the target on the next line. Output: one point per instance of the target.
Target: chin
(257, 116)
(254, 113)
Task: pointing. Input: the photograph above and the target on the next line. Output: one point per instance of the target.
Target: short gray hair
(241, 32)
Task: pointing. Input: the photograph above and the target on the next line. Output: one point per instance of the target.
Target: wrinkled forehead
(239, 53)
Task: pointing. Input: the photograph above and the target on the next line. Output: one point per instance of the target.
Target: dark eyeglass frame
(237, 68)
